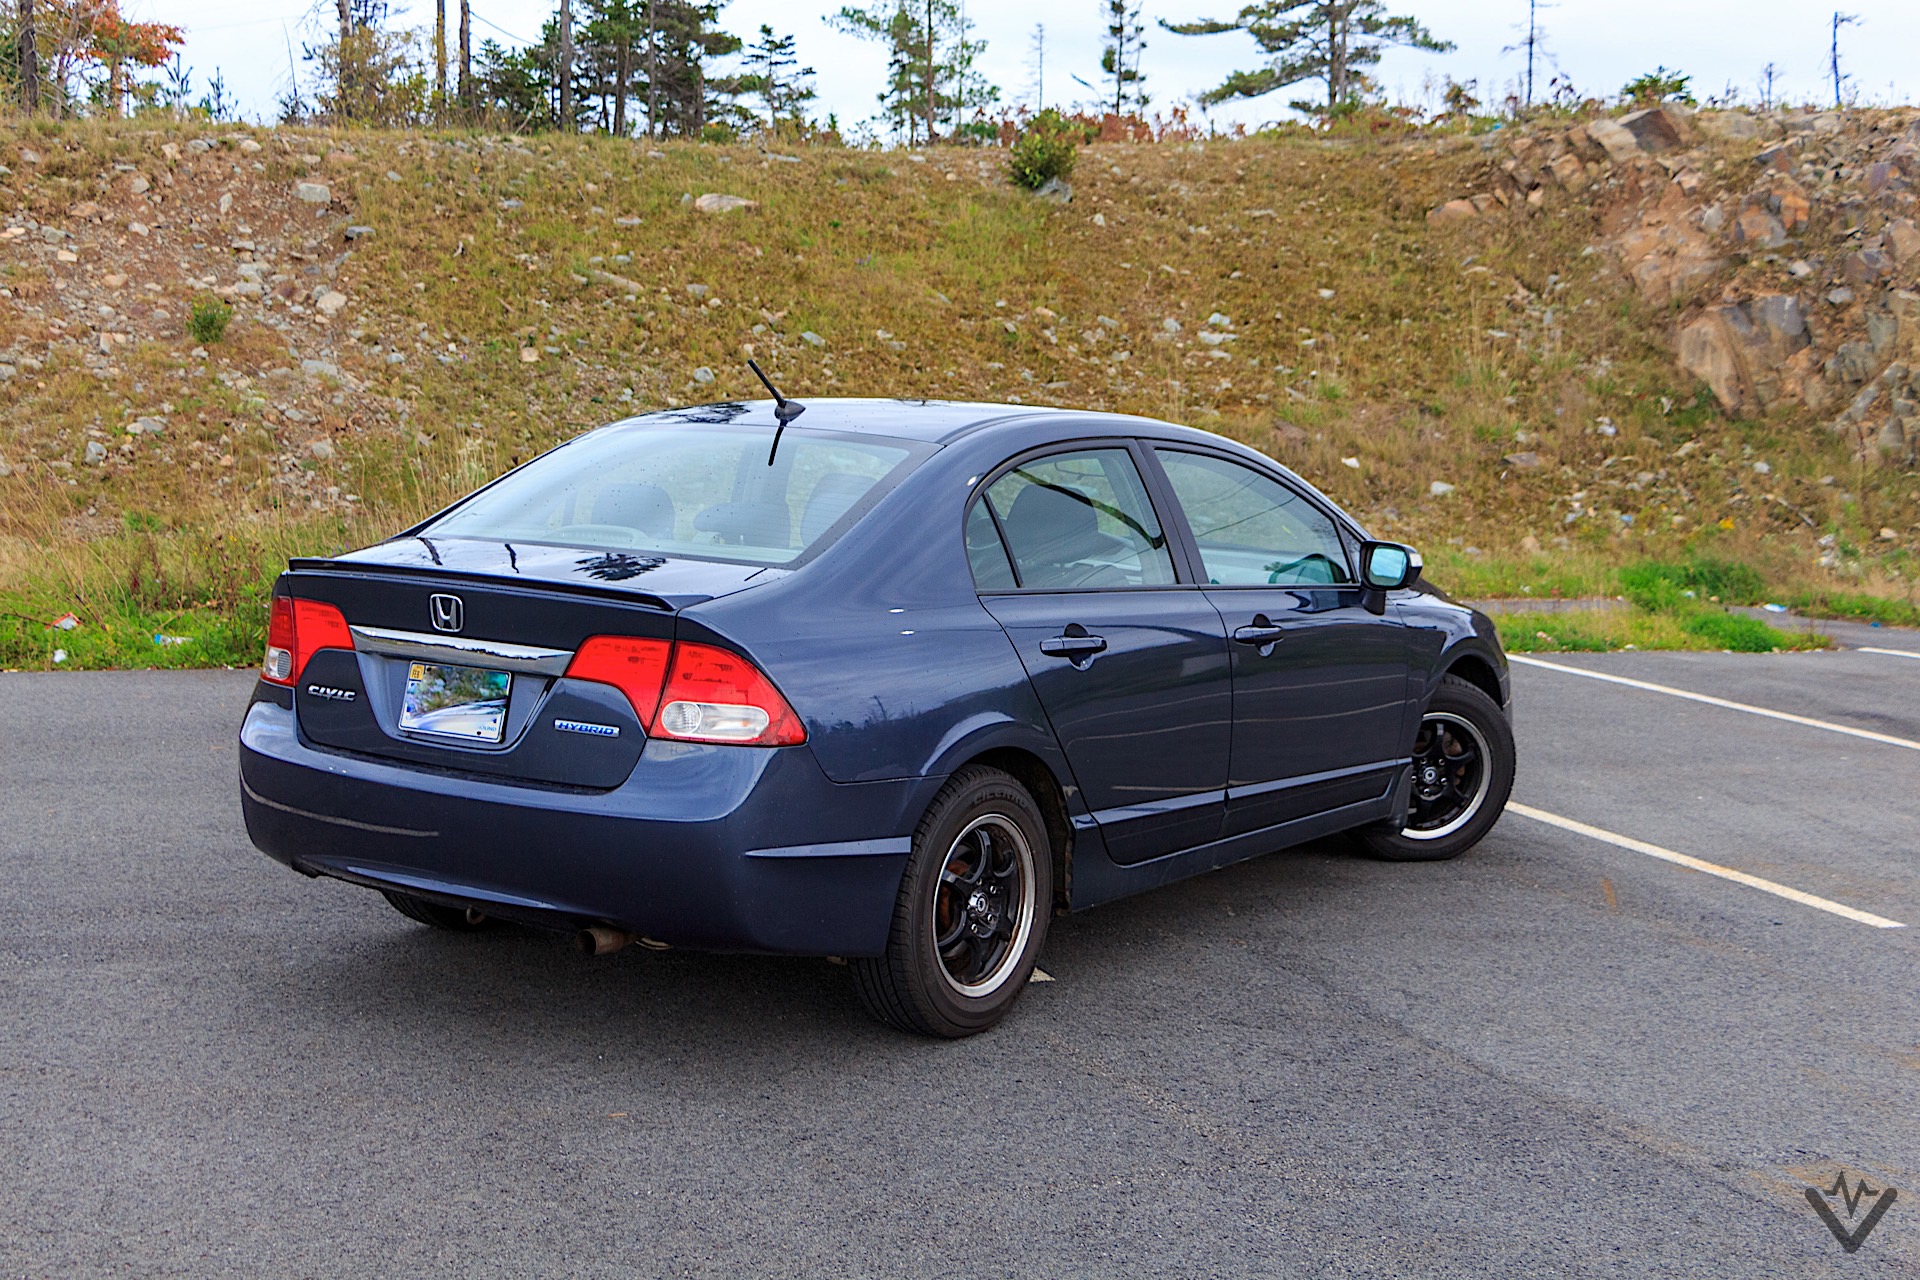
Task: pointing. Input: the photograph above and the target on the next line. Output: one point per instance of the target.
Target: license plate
(456, 702)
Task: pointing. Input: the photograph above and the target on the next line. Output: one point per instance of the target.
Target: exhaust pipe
(601, 940)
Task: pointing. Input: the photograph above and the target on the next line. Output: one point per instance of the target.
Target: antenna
(784, 410)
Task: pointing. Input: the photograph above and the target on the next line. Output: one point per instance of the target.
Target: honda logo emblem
(448, 613)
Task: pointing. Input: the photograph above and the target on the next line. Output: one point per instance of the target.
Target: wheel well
(1479, 673)
(1033, 774)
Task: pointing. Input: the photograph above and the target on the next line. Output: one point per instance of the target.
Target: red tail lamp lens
(713, 695)
(296, 630)
(709, 694)
(635, 667)
(277, 666)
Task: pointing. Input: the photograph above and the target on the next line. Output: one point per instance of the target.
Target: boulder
(1738, 349)
(1452, 211)
(1657, 129)
(1903, 240)
(713, 202)
(1758, 226)
(1569, 173)
(313, 192)
(1614, 138)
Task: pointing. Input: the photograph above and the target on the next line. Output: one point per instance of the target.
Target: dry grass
(1436, 354)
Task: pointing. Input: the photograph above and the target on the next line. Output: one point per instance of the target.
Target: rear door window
(1251, 529)
(1076, 521)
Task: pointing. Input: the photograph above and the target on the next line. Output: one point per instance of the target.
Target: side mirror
(1388, 566)
(1384, 567)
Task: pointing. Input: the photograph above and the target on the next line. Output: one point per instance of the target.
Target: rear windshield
(702, 490)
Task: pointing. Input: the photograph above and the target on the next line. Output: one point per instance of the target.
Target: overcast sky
(1597, 44)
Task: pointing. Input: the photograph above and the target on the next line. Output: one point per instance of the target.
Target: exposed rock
(813, 339)
(1569, 173)
(358, 232)
(1657, 129)
(96, 453)
(1452, 211)
(1440, 488)
(703, 375)
(1903, 240)
(1738, 349)
(1527, 461)
(1614, 139)
(313, 192)
(321, 450)
(1757, 225)
(713, 202)
(1055, 192)
(330, 303)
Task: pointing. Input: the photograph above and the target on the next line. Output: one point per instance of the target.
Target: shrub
(1657, 86)
(207, 322)
(1044, 151)
(1655, 584)
(1734, 631)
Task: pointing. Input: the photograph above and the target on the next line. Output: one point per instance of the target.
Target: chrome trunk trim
(495, 654)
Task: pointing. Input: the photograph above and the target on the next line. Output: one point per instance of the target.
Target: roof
(933, 421)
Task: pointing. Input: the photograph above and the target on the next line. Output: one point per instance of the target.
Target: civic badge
(448, 613)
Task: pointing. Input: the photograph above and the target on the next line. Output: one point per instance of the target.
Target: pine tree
(931, 75)
(681, 96)
(771, 77)
(1333, 41)
(1120, 56)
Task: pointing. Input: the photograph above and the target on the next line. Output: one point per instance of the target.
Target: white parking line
(1710, 868)
(1891, 653)
(1711, 701)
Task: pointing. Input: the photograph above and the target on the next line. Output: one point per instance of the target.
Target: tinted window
(1252, 529)
(704, 490)
(992, 571)
(1081, 520)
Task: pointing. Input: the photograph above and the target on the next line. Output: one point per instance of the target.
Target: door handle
(1074, 647)
(1262, 632)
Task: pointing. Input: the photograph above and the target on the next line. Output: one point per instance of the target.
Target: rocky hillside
(1784, 246)
(1539, 352)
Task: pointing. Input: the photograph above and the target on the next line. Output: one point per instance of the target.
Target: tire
(452, 919)
(1463, 774)
(972, 911)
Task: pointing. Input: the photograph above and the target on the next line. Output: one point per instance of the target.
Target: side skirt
(1098, 880)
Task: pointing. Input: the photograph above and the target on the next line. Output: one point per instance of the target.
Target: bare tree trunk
(343, 77)
(620, 73)
(466, 54)
(566, 64)
(29, 61)
(653, 71)
(929, 72)
(440, 52)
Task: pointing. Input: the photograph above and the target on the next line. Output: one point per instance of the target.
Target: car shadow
(386, 979)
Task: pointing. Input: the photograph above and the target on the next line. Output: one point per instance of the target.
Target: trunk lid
(519, 611)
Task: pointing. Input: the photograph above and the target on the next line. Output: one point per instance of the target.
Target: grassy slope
(1359, 333)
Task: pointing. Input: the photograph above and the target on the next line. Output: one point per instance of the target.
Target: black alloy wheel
(972, 912)
(1463, 759)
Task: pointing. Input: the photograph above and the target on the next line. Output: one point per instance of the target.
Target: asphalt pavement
(1557, 1056)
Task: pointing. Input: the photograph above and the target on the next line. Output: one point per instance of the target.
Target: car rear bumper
(720, 848)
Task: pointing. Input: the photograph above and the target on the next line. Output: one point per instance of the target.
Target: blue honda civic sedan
(890, 681)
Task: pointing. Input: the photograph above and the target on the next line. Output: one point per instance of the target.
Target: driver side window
(1253, 530)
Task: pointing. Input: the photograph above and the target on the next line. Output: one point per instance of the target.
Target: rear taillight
(714, 695)
(636, 668)
(277, 667)
(709, 695)
(296, 630)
